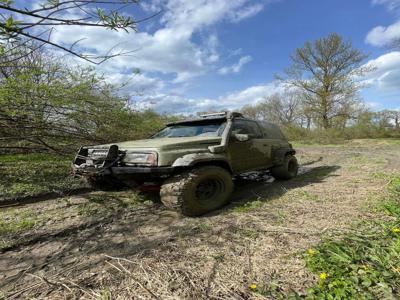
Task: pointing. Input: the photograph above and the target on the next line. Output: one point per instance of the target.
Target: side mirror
(241, 137)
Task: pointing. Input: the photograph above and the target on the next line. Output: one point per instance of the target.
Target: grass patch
(364, 264)
(203, 227)
(32, 174)
(13, 223)
(248, 206)
(104, 203)
(248, 233)
(364, 160)
(18, 223)
(305, 195)
(339, 143)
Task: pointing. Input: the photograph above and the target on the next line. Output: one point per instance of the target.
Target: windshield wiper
(178, 136)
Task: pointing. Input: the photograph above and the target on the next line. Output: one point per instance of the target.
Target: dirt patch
(104, 246)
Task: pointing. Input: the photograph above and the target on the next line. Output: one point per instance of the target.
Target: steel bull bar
(96, 165)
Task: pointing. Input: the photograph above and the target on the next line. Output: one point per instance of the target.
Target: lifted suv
(192, 160)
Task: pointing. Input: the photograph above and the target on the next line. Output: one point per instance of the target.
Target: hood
(167, 143)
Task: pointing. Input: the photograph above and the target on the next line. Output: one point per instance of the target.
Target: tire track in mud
(256, 179)
(20, 201)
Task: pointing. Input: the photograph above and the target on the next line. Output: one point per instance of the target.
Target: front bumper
(111, 165)
(122, 170)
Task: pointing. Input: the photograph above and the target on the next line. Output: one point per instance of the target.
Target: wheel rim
(209, 188)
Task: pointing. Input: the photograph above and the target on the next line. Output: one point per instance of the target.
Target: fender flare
(280, 154)
(189, 160)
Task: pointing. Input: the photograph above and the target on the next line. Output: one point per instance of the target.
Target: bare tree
(325, 70)
(394, 117)
(281, 108)
(37, 23)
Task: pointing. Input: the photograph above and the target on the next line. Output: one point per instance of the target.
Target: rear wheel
(198, 191)
(287, 170)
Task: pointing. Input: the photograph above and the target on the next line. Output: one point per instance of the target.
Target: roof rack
(228, 114)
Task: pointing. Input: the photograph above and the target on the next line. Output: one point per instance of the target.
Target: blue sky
(203, 55)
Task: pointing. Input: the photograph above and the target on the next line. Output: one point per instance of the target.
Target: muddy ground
(119, 245)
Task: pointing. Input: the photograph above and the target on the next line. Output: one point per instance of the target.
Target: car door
(251, 154)
(274, 138)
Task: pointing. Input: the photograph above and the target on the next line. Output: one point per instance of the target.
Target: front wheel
(287, 170)
(198, 191)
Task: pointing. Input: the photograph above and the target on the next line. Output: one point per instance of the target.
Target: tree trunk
(325, 121)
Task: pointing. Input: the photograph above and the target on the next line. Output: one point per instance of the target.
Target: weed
(104, 203)
(203, 227)
(88, 209)
(282, 216)
(248, 233)
(105, 293)
(97, 198)
(5, 244)
(307, 195)
(18, 223)
(364, 264)
(248, 206)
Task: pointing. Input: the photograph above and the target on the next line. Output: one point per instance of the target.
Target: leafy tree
(37, 22)
(46, 105)
(326, 72)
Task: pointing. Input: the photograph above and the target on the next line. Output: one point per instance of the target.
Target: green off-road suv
(192, 162)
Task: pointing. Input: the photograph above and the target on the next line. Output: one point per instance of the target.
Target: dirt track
(114, 249)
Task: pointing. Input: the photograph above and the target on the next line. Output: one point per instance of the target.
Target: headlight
(141, 158)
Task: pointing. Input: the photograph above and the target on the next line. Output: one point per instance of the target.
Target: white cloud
(172, 48)
(136, 83)
(178, 104)
(247, 12)
(235, 68)
(382, 36)
(386, 76)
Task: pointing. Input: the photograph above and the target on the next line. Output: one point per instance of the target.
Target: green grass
(32, 174)
(303, 194)
(347, 143)
(13, 223)
(364, 264)
(18, 223)
(111, 202)
(248, 233)
(247, 206)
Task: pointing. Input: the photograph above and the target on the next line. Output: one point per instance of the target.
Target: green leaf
(9, 22)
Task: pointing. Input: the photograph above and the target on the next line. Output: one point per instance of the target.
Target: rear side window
(271, 131)
(246, 127)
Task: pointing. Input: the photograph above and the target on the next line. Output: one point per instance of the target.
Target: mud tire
(187, 192)
(287, 170)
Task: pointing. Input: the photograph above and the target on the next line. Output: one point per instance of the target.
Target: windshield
(188, 130)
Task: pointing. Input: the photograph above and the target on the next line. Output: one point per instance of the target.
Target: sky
(202, 55)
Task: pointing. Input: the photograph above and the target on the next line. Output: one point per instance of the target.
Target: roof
(208, 118)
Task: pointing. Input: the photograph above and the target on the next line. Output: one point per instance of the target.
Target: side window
(265, 130)
(271, 131)
(246, 127)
